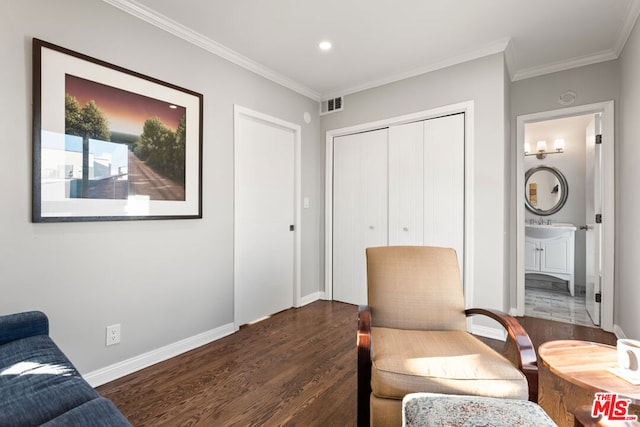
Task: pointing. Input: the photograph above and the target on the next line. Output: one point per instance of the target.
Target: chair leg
(532, 380)
(364, 366)
(364, 409)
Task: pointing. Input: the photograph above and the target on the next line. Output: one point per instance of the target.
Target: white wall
(627, 315)
(163, 281)
(484, 82)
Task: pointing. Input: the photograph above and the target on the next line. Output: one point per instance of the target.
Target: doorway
(587, 254)
(266, 215)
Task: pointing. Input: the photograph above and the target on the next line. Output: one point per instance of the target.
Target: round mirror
(545, 190)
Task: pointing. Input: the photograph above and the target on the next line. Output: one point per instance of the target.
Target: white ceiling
(380, 41)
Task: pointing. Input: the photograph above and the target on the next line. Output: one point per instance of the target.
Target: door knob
(584, 227)
(405, 228)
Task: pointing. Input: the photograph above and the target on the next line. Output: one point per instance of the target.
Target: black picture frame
(111, 144)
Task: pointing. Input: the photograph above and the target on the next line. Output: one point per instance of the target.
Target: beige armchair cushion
(412, 287)
(451, 362)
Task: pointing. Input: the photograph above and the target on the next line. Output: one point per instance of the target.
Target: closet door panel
(444, 183)
(406, 157)
(360, 217)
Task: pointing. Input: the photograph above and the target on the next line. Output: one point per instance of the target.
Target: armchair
(412, 337)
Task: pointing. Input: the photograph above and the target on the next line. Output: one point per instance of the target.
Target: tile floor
(555, 304)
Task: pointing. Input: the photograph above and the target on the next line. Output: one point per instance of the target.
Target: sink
(546, 231)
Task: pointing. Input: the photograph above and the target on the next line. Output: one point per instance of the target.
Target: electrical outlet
(113, 334)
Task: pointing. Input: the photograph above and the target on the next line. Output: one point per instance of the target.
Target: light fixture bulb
(541, 146)
(527, 148)
(558, 145)
(325, 45)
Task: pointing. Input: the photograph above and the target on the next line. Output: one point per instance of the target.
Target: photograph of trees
(121, 144)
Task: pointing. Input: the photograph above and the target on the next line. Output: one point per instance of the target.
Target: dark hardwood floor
(297, 367)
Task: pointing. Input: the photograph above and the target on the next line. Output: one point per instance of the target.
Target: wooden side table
(572, 372)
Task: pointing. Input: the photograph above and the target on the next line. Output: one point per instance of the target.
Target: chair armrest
(525, 351)
(23, 325)
(364, 364)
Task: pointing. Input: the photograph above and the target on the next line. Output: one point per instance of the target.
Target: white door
(593, 199)
(444, 184)
(398, 186)
(406, 184)
(426, 183)
(359, 209)
(264, 217)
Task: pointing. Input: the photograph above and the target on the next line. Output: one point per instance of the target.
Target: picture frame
(111, 144)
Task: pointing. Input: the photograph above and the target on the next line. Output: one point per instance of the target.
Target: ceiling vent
(331, 105)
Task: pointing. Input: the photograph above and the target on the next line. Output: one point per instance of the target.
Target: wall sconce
(541, 148)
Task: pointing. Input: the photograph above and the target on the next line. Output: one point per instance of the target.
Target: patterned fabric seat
(439, 410)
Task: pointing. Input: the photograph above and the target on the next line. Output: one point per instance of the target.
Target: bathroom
(559, 161)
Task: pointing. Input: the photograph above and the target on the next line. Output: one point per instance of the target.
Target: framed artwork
(111, 144)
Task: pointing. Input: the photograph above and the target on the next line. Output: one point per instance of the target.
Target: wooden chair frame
(525, 355)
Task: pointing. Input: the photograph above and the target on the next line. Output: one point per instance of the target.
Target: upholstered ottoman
(446, 410)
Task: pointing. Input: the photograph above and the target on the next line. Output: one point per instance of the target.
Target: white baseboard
(494, 333)
(617, 330)
(514, 312)
(126, 367)
(308, 299)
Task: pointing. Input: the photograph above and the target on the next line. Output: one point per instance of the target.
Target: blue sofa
(39, 385)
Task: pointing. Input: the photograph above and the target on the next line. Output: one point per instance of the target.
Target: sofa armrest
(23, 325)
(364, 364)
(525, 351)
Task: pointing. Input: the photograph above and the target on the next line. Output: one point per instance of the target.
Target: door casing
(608, 202)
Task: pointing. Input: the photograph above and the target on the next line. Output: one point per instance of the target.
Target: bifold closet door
(360, 203)
(426, 183)
(403, 185)
(406, 184)
(444, 183)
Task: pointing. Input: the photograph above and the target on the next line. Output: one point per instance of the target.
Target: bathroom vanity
(549, 249)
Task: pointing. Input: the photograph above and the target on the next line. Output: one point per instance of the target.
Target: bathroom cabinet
(551, 253)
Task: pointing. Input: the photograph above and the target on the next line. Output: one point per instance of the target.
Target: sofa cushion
(98, 412)
(37, 382)
(451, 362)
(22, 325)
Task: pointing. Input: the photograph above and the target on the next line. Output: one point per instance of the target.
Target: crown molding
(581, 61)
(493, 48)
(509, 59)
(503, 46)
(631, 16)
(164, 23)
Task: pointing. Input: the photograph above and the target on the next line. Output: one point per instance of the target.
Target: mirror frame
(564, 185)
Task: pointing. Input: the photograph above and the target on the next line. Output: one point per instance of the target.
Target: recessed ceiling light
(325, 45)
